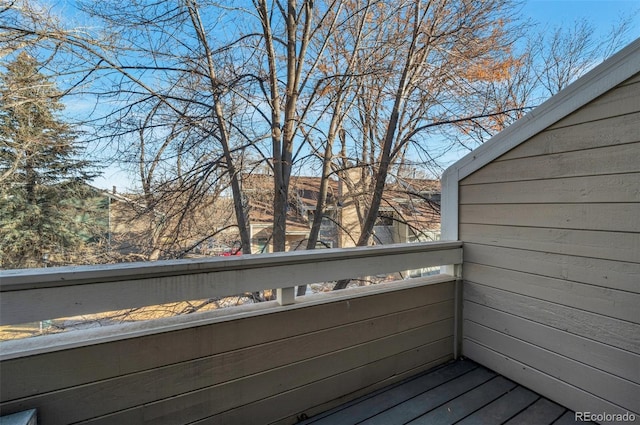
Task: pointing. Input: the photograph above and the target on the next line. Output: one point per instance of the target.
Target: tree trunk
(241, 217)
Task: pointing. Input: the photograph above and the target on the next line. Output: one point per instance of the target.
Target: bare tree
(356, 89)
(294, 39)
(156, 63)
(420, 60)
(566, 53)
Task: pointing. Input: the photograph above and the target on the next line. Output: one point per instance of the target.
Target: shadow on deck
(460, 392)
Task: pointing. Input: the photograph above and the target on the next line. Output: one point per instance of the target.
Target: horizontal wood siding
(551, 234)
(259, 365)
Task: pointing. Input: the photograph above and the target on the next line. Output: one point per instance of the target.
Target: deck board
(394, 395)
(423, 403)
(467, 403)
(503, 408)
(460, 392)
(543, 411)
(566, 419)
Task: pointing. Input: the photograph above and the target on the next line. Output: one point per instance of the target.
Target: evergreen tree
(41, 175)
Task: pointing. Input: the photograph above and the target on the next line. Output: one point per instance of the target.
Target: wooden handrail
(39, 294)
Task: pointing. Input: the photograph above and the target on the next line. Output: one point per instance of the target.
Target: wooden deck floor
(460, 392)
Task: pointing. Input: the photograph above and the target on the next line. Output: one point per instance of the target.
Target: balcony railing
(285, 359)
(41, 294)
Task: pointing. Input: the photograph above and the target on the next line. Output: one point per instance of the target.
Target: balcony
(278, 361)
(547, 295)
(286, 359)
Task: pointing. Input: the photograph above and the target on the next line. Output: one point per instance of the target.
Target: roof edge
(615, 70)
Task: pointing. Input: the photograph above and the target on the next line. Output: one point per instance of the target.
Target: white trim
(610, 73)
(449, 205)
(297, 233)
(615, 70)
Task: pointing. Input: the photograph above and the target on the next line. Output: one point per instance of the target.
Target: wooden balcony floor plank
(543, 411)
(461, 392)
(465, 404)
(394, 395)
(427, 401)
(566, 419)
(502, 408)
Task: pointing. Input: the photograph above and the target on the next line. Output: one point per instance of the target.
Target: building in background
(410, 212)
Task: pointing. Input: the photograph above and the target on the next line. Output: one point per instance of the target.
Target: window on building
(384, 219)
(262, 245)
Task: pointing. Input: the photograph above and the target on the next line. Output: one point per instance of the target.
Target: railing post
(286, 296)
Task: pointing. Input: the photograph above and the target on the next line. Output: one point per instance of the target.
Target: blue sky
(602, 13)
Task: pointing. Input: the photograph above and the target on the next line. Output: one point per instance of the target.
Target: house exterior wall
(551, 233)
(261, 241)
